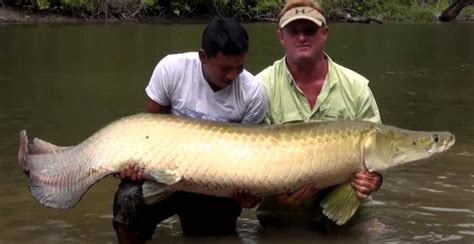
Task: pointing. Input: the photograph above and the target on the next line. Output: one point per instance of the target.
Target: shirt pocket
(292, 117)
(333, 113)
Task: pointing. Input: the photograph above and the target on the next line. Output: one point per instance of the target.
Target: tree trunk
(454, 9)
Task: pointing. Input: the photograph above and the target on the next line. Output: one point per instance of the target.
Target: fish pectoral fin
(341, 204)
(158, 189)
(376, 152)
(155, 192)
(164, 176)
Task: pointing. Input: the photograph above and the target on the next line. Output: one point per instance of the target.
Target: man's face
(222, 70)
(303, 40)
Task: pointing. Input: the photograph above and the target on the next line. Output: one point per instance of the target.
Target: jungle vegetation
(245, 10)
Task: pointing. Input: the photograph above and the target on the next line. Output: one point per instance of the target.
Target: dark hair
(224, 35)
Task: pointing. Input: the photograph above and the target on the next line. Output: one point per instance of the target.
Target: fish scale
(217, 158)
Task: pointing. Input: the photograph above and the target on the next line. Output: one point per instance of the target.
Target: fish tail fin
(341, 204)
(58, 179)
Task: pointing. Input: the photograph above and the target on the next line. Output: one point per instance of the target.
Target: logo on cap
(297, 11)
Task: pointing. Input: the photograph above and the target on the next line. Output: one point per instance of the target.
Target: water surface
(63, 82)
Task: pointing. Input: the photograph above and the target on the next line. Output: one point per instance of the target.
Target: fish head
(388, 146)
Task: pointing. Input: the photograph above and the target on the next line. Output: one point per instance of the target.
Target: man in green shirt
(307, 85)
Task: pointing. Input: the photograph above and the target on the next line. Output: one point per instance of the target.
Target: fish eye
(436, 138)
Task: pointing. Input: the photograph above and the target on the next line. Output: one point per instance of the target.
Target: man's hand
(131, 172)
(245, 199)
(298, 196)
(366, 183)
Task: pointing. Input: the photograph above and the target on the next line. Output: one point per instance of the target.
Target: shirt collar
(329, 76)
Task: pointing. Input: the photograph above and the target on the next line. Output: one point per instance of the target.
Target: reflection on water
(431, 203)
(72, 79)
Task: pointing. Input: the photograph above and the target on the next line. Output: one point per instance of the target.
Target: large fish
(216, 158)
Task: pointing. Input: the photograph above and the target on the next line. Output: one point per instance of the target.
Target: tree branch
(454, 10)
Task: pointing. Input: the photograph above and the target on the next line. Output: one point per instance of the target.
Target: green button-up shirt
(345, 95)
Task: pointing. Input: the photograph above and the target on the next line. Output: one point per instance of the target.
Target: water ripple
(451, 210)
(434, 237)
(430, 190)
(466, 225)
(466, 154)
(445, 185)
(423, 213)
(470, 233)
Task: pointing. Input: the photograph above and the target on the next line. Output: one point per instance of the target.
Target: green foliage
(181, 8)
(27, 4)
(269, 8)
(153, 6)
(229, 7)
(399, 10)
(80, 6)
(396, 10)
(43, 4)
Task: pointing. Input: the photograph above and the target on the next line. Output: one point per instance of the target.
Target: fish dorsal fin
(376, 154)
(164, 176)
(39, 146)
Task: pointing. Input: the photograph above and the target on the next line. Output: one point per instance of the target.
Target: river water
(63, 82)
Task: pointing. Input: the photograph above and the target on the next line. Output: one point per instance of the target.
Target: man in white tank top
(209, 84)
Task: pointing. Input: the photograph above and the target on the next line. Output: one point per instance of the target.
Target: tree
(454, 9)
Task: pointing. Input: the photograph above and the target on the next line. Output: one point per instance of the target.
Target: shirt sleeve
(257, 107)
(369, 110)
(159, 87)
(264, 78)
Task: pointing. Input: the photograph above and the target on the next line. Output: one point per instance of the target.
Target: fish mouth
(451, 141)
(448, 143)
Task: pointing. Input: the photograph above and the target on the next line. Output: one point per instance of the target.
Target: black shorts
(199, 214)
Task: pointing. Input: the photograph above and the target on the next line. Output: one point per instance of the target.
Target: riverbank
(12, 15)
(9, 15)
